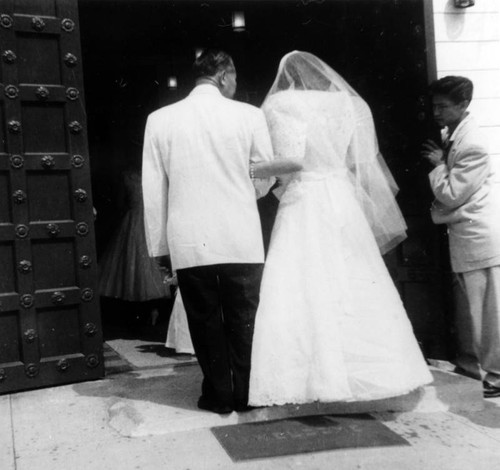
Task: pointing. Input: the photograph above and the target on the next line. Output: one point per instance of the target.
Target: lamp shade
(238, 21)
(172, 82)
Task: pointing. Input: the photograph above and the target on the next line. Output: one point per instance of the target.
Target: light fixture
(172, 82)
(198, 51)
(238, 21)
(464, 3)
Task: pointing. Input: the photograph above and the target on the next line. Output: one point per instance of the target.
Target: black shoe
(490, 391)
(209, 405)
(242, 408)
(458, 370)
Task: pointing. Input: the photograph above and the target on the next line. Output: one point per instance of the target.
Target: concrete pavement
(147, 419)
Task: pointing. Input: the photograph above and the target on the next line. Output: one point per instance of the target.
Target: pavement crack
(13, 436)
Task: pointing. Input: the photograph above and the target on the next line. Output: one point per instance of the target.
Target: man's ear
(221, 77)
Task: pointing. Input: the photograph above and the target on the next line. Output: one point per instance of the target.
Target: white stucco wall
(468, 44)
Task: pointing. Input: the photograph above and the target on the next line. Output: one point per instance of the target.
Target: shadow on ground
(161, 351)
(488, 418)
(179, 387)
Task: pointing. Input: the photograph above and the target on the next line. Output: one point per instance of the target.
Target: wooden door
(50, 330)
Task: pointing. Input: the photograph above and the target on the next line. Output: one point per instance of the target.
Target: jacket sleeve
(262, 151)
(454, 186)
(154, 193)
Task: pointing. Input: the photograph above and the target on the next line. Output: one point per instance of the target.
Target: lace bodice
(315, 126)
(332, 131)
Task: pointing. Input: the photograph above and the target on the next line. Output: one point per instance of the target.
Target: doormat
(302, 435)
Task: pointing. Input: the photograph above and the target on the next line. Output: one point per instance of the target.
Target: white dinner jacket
(199, 201)
(468, 200)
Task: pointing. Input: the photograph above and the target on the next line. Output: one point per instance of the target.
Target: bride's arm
(275, 167)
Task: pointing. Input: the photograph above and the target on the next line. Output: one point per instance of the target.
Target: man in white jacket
(467, 199)
(200, 208)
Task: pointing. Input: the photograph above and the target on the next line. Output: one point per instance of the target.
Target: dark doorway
(132, 48)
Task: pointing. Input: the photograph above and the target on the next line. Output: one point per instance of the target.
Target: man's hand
(432, 152)
(170, 280)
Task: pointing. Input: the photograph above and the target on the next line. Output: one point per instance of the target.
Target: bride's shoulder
(281, 98)
(286, 101)
(287, 97)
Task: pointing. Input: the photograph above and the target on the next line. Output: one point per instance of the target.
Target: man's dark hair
(457, 89)
(211, 61)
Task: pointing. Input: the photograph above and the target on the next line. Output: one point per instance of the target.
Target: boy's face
(446, 112)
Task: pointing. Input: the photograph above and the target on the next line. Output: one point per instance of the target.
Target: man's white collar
(205, 88)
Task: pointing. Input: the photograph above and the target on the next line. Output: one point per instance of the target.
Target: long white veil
(374, 184)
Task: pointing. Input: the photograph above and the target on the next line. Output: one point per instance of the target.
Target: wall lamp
(238, 21)
(172, 82)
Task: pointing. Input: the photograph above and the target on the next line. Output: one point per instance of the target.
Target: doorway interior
(134, 51)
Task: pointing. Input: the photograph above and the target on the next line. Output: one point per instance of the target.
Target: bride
(330, 324)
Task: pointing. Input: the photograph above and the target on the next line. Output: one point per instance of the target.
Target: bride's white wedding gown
(330, 324)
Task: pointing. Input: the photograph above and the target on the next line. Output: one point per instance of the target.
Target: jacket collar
(465, 121)
(205, 89)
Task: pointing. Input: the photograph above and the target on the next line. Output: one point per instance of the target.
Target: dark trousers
(221, 302)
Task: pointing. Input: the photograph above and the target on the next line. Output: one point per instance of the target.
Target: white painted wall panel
(467, 55)
(495, 160)
(466, 27)
(492, 135)
(481, 6)
(486, 111)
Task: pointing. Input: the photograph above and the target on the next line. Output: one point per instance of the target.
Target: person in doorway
(126, 271)
(467, 199)
(330, 325)
(199, 157)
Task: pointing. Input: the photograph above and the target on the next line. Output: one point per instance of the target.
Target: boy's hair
(457, 89)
